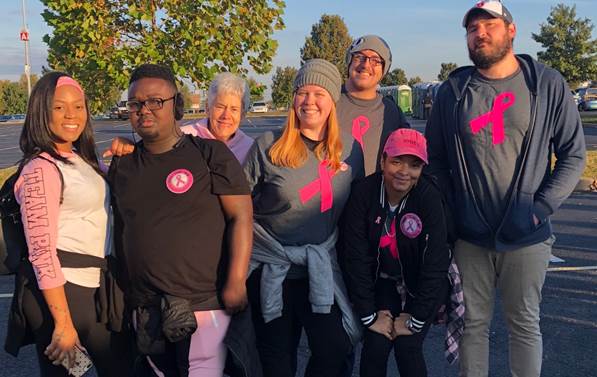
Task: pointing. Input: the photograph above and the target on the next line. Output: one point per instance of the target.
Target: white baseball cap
(494, 8)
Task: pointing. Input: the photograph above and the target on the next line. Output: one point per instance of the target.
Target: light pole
(25, 38)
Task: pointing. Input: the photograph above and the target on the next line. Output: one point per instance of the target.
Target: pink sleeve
(198, 129)
(38, 192)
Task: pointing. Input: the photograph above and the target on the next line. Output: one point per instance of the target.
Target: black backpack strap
(59, 174)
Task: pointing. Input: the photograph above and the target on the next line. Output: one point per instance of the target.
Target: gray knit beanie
(374, 43)
(321, 73)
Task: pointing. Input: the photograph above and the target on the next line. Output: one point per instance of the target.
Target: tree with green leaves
(256, 89)
(445, 70)
(23, 80)
(397, 76)
(282, 86)
(568, 44)
(13, 98)
(186, 93)
(100, 42)
(414, 80)
(329, 40)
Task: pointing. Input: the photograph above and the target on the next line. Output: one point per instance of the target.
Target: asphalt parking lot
(106, 130)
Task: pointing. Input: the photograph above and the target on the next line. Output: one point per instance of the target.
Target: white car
(259, 107)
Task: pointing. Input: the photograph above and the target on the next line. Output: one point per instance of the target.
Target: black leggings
(109, 351)
(408, 350)
(277, 341)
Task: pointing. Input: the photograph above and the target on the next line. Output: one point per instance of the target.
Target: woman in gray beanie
(300, 178)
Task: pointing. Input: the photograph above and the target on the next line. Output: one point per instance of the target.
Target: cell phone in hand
(81, 365)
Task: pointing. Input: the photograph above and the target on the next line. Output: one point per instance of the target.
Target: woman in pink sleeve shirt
(65, 206)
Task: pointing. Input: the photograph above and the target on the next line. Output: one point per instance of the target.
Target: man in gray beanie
(362, 111)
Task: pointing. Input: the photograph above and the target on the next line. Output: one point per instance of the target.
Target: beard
(485, 60)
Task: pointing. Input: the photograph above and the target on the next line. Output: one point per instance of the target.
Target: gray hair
(229, 83)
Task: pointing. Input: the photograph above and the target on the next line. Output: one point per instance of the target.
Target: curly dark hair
(153, 71)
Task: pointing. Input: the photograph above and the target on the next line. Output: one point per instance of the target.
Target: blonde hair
(290, 151)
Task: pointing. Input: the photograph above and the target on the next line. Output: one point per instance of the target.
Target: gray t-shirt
(370, 122)
(287, 202)
(494, 123)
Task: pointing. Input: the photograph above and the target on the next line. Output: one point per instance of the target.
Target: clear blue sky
(421, 34)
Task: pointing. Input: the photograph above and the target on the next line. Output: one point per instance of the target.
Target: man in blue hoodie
(493, 130)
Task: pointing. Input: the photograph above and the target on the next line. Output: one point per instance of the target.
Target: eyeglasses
(362, 59)
(150, 103)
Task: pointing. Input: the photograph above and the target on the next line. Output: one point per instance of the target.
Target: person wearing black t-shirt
(183, 211)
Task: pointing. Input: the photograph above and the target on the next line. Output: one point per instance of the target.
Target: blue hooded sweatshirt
(555, 130)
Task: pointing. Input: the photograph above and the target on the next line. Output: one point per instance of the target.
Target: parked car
(119, 111)
(113, 112)
(4, 118)
(576, 97)
(588, 100)
(259, 107)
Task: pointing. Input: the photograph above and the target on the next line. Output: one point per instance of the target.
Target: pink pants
(207, 352)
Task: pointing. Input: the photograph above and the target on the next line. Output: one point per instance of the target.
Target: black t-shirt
(173, 225)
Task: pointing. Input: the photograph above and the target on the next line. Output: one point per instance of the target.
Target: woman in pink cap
(396, 256)
(65, 209)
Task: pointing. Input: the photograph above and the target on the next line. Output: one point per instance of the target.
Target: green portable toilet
(405, 99)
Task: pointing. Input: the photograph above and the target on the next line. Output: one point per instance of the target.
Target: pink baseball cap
(406, 141)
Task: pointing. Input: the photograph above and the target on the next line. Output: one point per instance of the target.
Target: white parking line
(579, 268)
(554, 259)
(9, 148)
(5, 295)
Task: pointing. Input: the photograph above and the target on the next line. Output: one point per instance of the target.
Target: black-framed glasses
(362, 59)
(150, 103)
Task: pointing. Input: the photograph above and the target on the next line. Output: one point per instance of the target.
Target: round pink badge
(179, 181)
(411, 225)
(343, 166)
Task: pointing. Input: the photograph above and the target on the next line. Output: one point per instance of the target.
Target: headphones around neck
(178, 106)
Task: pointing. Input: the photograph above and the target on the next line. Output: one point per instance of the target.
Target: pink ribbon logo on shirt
(360, 126)
(389, 240)
(179, 181)
(495, 117)
(322, 184)
(411, 225)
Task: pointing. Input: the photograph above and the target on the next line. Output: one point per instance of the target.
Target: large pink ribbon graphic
(322, 184)
(360, 126)
(495, 117)
(390, 240)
